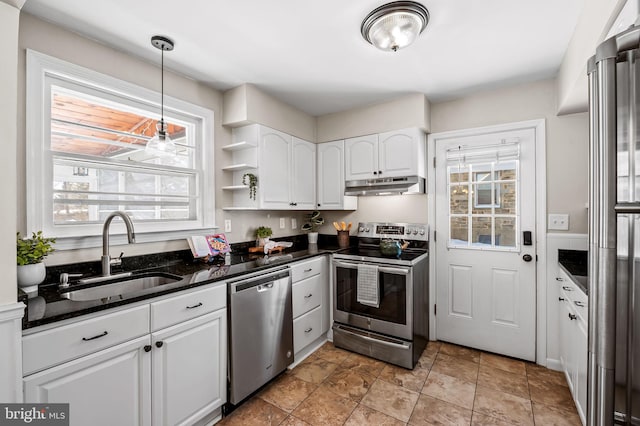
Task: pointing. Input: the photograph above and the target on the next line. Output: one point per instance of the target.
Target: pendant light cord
(162, 90)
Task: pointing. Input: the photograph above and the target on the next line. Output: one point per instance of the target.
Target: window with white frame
(86, 138)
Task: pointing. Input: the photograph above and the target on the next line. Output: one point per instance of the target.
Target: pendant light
(161, 145)
(395, 25)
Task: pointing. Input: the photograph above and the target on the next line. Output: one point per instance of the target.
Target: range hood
(385, 186)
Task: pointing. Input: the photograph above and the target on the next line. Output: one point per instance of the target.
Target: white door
(361, 157)
(110, 387)
(303, 178)
(486, 268)
(274, 169)
(189, 369)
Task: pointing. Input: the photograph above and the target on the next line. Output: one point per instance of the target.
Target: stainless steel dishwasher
(260, 330)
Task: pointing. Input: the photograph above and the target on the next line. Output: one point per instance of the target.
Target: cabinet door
(566, 340)
(303, 178)
(330, 194)
(189, 369)
(581, 369)
(400, 153)
(361, 157)
(110, 387)
(274, 185)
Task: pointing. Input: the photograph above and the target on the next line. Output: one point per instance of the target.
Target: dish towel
(367, 286)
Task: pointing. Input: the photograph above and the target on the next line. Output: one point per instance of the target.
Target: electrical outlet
(282, 225)
(294, 223)
(558, 222)
(227, 225)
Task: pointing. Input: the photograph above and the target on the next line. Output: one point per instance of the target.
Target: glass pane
(505, 231)
(481, 231)
(506, 170)
(482, 176)
(507, 198)
(482, 199)
(459, 199)
(83, 124)
(458, 174)
(459, 231)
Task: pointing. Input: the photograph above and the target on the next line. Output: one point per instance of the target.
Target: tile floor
(451, 385)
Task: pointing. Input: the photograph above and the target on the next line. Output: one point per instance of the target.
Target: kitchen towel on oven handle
(367, 285)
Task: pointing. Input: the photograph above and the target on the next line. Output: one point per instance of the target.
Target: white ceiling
(311, 55)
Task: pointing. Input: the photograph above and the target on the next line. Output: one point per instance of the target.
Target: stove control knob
(415, 232)
(422, 232)
(408, 231)
(366, 230)
(361, 229)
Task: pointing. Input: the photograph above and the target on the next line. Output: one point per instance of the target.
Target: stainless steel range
(380, 305)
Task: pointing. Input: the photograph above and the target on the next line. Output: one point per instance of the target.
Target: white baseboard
(554, 364)
(11, 353)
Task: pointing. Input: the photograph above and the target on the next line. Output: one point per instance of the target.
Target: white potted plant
(314, 220)
(30, 255)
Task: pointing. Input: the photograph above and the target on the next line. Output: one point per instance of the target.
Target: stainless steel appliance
(260, 330)
(393, 325)
(614, 232)
(386, 186)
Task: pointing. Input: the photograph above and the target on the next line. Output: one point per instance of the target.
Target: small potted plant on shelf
(314, 220)
(262, 234)
(30, 255)
(251, 181)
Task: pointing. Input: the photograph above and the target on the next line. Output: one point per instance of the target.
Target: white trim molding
(539, 128)
(11, 353)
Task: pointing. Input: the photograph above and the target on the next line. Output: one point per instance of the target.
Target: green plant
(252, 182)
(313, 221)
(263, 232)
(33, 250)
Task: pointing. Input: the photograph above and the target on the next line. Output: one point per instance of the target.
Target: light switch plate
(294, 223)
(558, 222)
(227, 225)
(282, 224)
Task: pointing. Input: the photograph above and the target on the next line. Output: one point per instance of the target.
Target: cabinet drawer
(307, 269)
(190, 305)
(57, 345)
(306, 295)
(306, 329)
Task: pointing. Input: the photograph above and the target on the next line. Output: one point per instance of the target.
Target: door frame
(539, 128)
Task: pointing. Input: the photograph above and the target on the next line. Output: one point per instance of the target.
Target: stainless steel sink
(120, 286)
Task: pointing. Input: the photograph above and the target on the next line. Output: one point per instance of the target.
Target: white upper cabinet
(303, 179)
(361, 157)
(274, 185)
(389, 154)
(287, 171)
(330, 192)
(401, 153)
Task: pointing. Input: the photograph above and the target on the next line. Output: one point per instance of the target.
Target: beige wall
(9, 20)
(567, 138)
(52, 40)
(247, 104)
(407, 111)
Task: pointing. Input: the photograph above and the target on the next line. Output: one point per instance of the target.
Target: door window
(483, 197)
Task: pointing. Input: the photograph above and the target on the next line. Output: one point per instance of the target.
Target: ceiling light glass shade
(395, 25)
(161, 144)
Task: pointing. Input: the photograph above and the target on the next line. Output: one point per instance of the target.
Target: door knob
(527, 258)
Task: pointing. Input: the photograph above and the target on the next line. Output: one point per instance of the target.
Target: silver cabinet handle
(572, 317)
(308, 296)
(104, 333)
(197, 305)
(566, 288)
(308, 330)
(308, 270)
(578, 303)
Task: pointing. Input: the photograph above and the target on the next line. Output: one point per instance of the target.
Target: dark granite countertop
(576, 264)
(48, 307)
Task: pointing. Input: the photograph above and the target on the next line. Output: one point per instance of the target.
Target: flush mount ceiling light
(161, 144)
(395, 25)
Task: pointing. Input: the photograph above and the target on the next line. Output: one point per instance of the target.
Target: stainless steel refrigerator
(614, 232)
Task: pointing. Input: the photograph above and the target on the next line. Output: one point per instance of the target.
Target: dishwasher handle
(264, 282)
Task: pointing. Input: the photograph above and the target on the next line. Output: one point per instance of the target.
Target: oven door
(394, 315)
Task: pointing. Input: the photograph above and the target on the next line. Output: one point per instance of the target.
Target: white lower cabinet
(573, 340)
(110, 387)
(189, 377)
(171, 376)
(310, 300)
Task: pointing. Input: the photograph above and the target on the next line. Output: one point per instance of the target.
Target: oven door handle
(387, 269)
